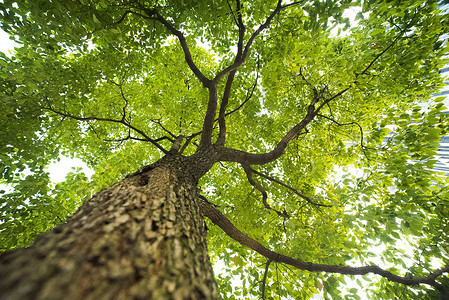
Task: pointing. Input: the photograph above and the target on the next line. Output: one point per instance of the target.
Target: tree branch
(220, 220)
(93, 118)
(126, 102)
(224, 103)
(248, 170)
(247, 98)
(238, 62)
(315, 91)
(158, 122)
(123, 17)
(264, 280)
(386, 49)
(155, 15)
(176, 144)
(346, 124)
(232, 13)
(228, 154)
(188, 140)
(227, 91)
(242, 28)
(367, 68)
(291, 4)
(290, 188)
(209, 118)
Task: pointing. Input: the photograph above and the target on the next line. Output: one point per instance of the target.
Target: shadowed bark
(142, 238)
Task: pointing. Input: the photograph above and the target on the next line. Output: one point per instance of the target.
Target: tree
(238, 111)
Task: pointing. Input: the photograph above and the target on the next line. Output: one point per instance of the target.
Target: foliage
(99, 81)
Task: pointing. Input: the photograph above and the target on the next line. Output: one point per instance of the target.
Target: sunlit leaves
(94, 59)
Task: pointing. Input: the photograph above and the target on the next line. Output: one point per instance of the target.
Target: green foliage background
(78, 58)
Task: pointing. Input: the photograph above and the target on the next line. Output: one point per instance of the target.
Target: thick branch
(177, 144)
(227, 91)
(224, 103)
(209, 118)
(249, 94)
(220, 220)
(228, 154)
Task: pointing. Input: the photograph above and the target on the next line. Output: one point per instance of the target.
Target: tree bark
(142, 238)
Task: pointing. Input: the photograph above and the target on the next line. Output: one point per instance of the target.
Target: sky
(5, 43)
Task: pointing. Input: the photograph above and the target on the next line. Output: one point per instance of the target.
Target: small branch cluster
(346, 124)
(249, 174)
(122, 121)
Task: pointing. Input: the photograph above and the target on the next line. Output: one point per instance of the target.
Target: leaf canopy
(112, 84)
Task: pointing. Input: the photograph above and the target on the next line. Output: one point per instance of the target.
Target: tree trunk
(142, 238)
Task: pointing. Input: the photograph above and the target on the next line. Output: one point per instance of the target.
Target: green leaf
(95, 19)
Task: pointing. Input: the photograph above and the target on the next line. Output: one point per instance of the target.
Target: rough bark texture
(142, 238)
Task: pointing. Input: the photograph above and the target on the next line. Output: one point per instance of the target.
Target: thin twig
(290, 188)
(248, 170)
(93, 118)
(158, 122)
(346, 124)
(247, 98)
(264, 280)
